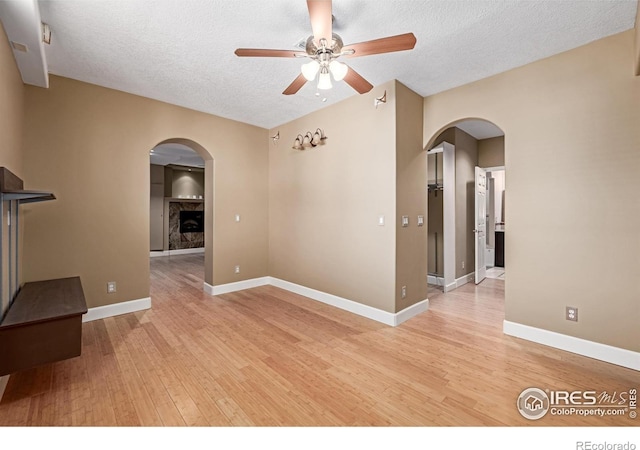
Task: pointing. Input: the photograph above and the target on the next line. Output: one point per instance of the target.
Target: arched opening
(466, 174)
(181, 208)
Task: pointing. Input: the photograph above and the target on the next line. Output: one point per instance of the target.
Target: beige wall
(187, 184)
(156, 210)
(491, 152)
(11, 108)
(11, 123)
(571, 138)
(324, 202)
(90, 146)
(411, 199)
(637, 31)
(435, 237)
(466, 161)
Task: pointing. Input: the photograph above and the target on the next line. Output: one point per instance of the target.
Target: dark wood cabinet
(43, 322)
(43, 325)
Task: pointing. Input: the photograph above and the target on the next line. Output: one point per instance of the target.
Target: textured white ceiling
(181, 51)
(178, 154)
(480, 129)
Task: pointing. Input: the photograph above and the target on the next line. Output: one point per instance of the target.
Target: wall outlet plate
(111, 287)
(404, 291)
(237, 269)
(572, 313)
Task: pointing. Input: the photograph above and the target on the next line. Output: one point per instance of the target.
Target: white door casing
(480, 222)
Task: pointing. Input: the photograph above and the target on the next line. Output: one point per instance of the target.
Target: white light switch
(420, 221)
(405, 221)
(381, 221)
(237, 217)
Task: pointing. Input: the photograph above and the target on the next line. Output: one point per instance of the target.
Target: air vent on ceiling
(20, 47)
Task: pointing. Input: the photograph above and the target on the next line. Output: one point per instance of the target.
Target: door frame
(488, 170)
(448, 211)
(480, 223)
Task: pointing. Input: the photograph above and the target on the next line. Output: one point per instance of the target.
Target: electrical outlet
(404, 291)
(572, 313)
(463, 264)
(111, 287)
(237, 269)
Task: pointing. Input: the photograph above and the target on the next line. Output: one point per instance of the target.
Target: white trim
(449, 287)
(354, 307)
(207, 288)
(411, 311)
(468, 278)
(237, 286)
(339, 302)
(360, 309)
(102, 312)
(3, 384)
(449, 212)
(181, 251)
(596, 350)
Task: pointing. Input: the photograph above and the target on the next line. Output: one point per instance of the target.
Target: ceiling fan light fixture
(324, 80)
(310, 69)
(338, 70)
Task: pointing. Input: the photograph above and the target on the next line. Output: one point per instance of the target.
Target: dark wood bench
(42, 325)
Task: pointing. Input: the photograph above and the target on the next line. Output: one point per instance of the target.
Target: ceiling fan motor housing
(333, 50)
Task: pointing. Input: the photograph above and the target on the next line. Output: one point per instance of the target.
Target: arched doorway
(462, 225)
(186, 196)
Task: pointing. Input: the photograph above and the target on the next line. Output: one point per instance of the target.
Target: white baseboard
(468, 278)
(102, 312)
(182, 251)
(595, 350)
(450, 287)
(411, 311)
(329, 299)
(437, 281)
(220, 289)
(3, 384)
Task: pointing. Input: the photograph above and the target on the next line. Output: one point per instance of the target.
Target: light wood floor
(268, 357)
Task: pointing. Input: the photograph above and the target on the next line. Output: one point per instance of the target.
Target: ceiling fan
(324, 48)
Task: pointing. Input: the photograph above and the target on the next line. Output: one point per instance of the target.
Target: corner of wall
(411, 199)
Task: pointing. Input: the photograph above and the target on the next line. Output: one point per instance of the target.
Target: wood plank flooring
(265, 356)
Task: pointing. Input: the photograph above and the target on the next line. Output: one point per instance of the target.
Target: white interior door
(480, 223)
